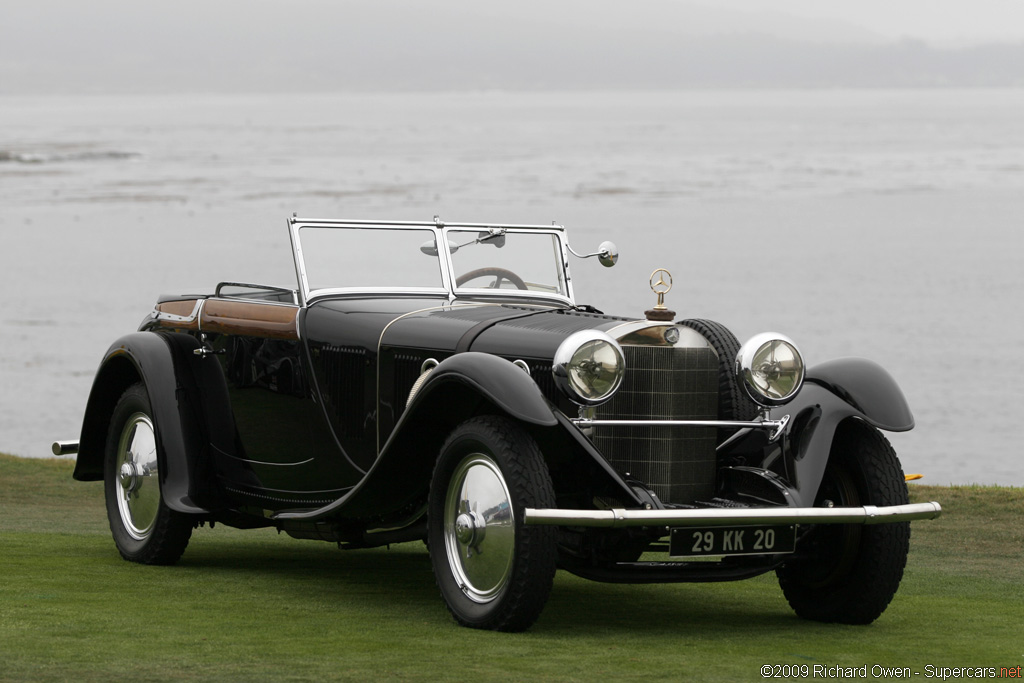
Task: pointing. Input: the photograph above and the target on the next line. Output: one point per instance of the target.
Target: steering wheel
(500, 274)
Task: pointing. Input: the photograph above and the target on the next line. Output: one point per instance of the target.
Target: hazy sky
(938, 21)
(272, 45)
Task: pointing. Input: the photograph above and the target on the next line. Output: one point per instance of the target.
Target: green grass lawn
(256, 606)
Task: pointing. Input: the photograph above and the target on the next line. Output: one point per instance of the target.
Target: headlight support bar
(774, 427)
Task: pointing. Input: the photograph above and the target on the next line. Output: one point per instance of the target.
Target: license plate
(727, 540)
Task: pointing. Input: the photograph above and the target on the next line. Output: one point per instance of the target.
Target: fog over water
(879, 223)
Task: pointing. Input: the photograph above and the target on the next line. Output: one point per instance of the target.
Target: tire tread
(172, 530)
(530, 485)
(865, 591)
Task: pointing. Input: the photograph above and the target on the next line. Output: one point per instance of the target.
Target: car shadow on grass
(400, 578)
(594, 608)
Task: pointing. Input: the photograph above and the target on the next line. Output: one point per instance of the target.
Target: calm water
(885, 224)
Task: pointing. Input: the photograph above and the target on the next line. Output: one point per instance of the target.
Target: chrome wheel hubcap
(129, 477)
(479, 528)
(138, 493)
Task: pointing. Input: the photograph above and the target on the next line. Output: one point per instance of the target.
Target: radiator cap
(660, 287)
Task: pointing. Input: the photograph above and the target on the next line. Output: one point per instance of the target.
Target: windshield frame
(440, 232)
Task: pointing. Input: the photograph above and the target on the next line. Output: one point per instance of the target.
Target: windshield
(403, 257)
(507, 260)
(365, 258)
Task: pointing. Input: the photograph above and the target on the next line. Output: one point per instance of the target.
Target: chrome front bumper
(868, 514)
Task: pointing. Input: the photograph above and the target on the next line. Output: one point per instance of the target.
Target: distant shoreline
(143, 92)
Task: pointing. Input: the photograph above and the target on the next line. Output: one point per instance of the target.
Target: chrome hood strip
(868, 514)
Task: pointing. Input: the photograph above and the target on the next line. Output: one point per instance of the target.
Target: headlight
(588, 367)
(770, 369)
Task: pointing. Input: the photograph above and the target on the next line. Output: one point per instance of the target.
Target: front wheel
(493, 571)
(145, 530)
(849, 573)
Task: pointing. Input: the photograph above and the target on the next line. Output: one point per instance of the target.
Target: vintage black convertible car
(439, 382)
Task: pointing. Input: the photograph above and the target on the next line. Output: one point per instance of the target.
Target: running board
(868, 514)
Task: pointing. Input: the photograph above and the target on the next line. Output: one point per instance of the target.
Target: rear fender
(174, 378)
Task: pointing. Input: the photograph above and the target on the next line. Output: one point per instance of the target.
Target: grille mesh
(665, 383)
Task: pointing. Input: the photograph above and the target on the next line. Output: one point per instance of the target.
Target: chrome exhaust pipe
(64, 447)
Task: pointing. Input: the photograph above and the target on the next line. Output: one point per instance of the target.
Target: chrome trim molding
(170, 317)
(64, 447)
(868, 514)
(435, 223)
(274, 464)
(685, 337)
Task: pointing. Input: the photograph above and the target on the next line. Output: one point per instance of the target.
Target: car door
(285, 455)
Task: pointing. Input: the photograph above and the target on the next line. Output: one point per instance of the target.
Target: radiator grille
(677, 463)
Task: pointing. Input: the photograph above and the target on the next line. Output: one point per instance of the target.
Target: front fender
(157, 360)
(868, 388)
(459, 388)
(500, 382)
(842, 389)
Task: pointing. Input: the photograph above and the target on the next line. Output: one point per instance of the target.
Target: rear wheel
(849, 573)
(144, 528)
(493, 571)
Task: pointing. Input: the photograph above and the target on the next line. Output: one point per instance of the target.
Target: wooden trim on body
(273, 321)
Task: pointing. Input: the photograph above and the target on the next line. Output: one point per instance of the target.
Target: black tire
(849, 573)
(493, 571)
(733, 402)
(145, 530)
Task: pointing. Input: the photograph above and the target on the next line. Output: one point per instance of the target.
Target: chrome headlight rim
(563, 371)
(752, 380)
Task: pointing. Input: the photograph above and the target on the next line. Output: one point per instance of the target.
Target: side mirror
(607, 254)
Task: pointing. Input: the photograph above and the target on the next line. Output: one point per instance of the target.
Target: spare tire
(733, 402)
